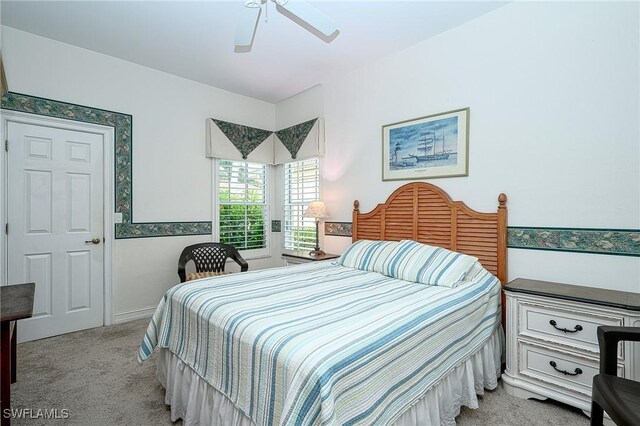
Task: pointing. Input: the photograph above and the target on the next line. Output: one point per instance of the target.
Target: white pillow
(367, 255)
(421, 263)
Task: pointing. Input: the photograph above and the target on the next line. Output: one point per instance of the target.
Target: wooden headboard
(425, 213)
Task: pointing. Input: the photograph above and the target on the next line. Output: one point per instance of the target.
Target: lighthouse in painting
(430, 144)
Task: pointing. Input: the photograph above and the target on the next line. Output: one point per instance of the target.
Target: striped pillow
(367, 255)
(420, 263)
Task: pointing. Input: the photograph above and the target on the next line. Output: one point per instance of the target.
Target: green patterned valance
(293, 137)
(244, 138)
(300, 142)
(231, 141)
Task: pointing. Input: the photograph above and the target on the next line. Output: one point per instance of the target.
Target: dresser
(298, 257)
(552, 345)
(16, 304)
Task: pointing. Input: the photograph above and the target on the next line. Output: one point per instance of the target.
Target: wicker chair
(210, 260)
(618, 396)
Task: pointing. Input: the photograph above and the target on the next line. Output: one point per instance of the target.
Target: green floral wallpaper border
(619, 242)
(123, 181)
(337, 229)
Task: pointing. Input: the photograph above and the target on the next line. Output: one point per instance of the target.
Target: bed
(330, 343)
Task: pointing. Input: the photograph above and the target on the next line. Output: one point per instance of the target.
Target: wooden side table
(303, 256)
(16, 303)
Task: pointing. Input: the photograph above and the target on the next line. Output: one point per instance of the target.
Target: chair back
(208, 257)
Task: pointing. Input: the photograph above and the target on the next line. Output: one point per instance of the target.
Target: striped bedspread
(320, 343)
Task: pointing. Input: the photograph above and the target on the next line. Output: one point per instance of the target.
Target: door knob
(96, 240)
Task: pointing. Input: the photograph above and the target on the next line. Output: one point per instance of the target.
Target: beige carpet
(94, 374)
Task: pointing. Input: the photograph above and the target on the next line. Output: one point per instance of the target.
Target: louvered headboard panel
(425, 213)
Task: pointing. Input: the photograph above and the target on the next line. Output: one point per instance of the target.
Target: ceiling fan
(298, 10)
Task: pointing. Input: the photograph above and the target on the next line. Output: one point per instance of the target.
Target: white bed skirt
(198, 403)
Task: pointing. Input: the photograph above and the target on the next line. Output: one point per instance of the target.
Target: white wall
(302, 107)
(554, 95)
(171, 176)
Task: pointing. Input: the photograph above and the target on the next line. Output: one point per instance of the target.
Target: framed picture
(428, 147)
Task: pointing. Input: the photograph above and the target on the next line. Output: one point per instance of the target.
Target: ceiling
(195, 39)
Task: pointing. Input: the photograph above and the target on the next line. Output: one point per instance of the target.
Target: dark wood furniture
(618, 396)
(576, 293)
(16, 303)
(209, 258)
(303, 256)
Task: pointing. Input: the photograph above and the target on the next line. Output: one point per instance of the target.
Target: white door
(55, 226)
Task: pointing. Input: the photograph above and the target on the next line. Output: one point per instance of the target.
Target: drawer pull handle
(577, 328)
(565, 372)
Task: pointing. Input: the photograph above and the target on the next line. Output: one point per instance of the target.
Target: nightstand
(552, 343)
(298, 257)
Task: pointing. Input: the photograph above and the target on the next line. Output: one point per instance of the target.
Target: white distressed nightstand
(552, 345)
(298, 257)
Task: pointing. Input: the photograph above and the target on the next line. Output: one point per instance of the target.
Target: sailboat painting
(427, 147)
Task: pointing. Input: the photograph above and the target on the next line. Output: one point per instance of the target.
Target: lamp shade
(317, 210)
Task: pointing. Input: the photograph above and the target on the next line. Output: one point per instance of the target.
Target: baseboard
(134, 315)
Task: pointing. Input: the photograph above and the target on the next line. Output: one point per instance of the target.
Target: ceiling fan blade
(311, 16)
(247, 26)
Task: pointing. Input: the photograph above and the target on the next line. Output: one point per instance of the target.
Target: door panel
(38, 194)
(37, 268)
(79, 202)
(78, 273)
(55, 210)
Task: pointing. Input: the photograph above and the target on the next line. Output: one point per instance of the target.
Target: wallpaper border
(617, 242)
(338, 229)
(123, 162)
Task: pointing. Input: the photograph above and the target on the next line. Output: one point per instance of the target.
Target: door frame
(108, 138)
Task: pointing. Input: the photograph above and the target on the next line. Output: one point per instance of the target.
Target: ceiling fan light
(281, 2)
(253, 3)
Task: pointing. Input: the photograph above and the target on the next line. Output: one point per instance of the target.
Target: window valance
(299, 142)
(233, 141)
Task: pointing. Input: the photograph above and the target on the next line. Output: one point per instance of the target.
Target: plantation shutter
(243, 204)
(301, 187)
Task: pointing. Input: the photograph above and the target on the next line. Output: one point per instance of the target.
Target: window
(243, 205)
(301, 187)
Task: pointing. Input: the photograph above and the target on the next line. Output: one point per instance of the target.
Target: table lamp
(317, 210)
